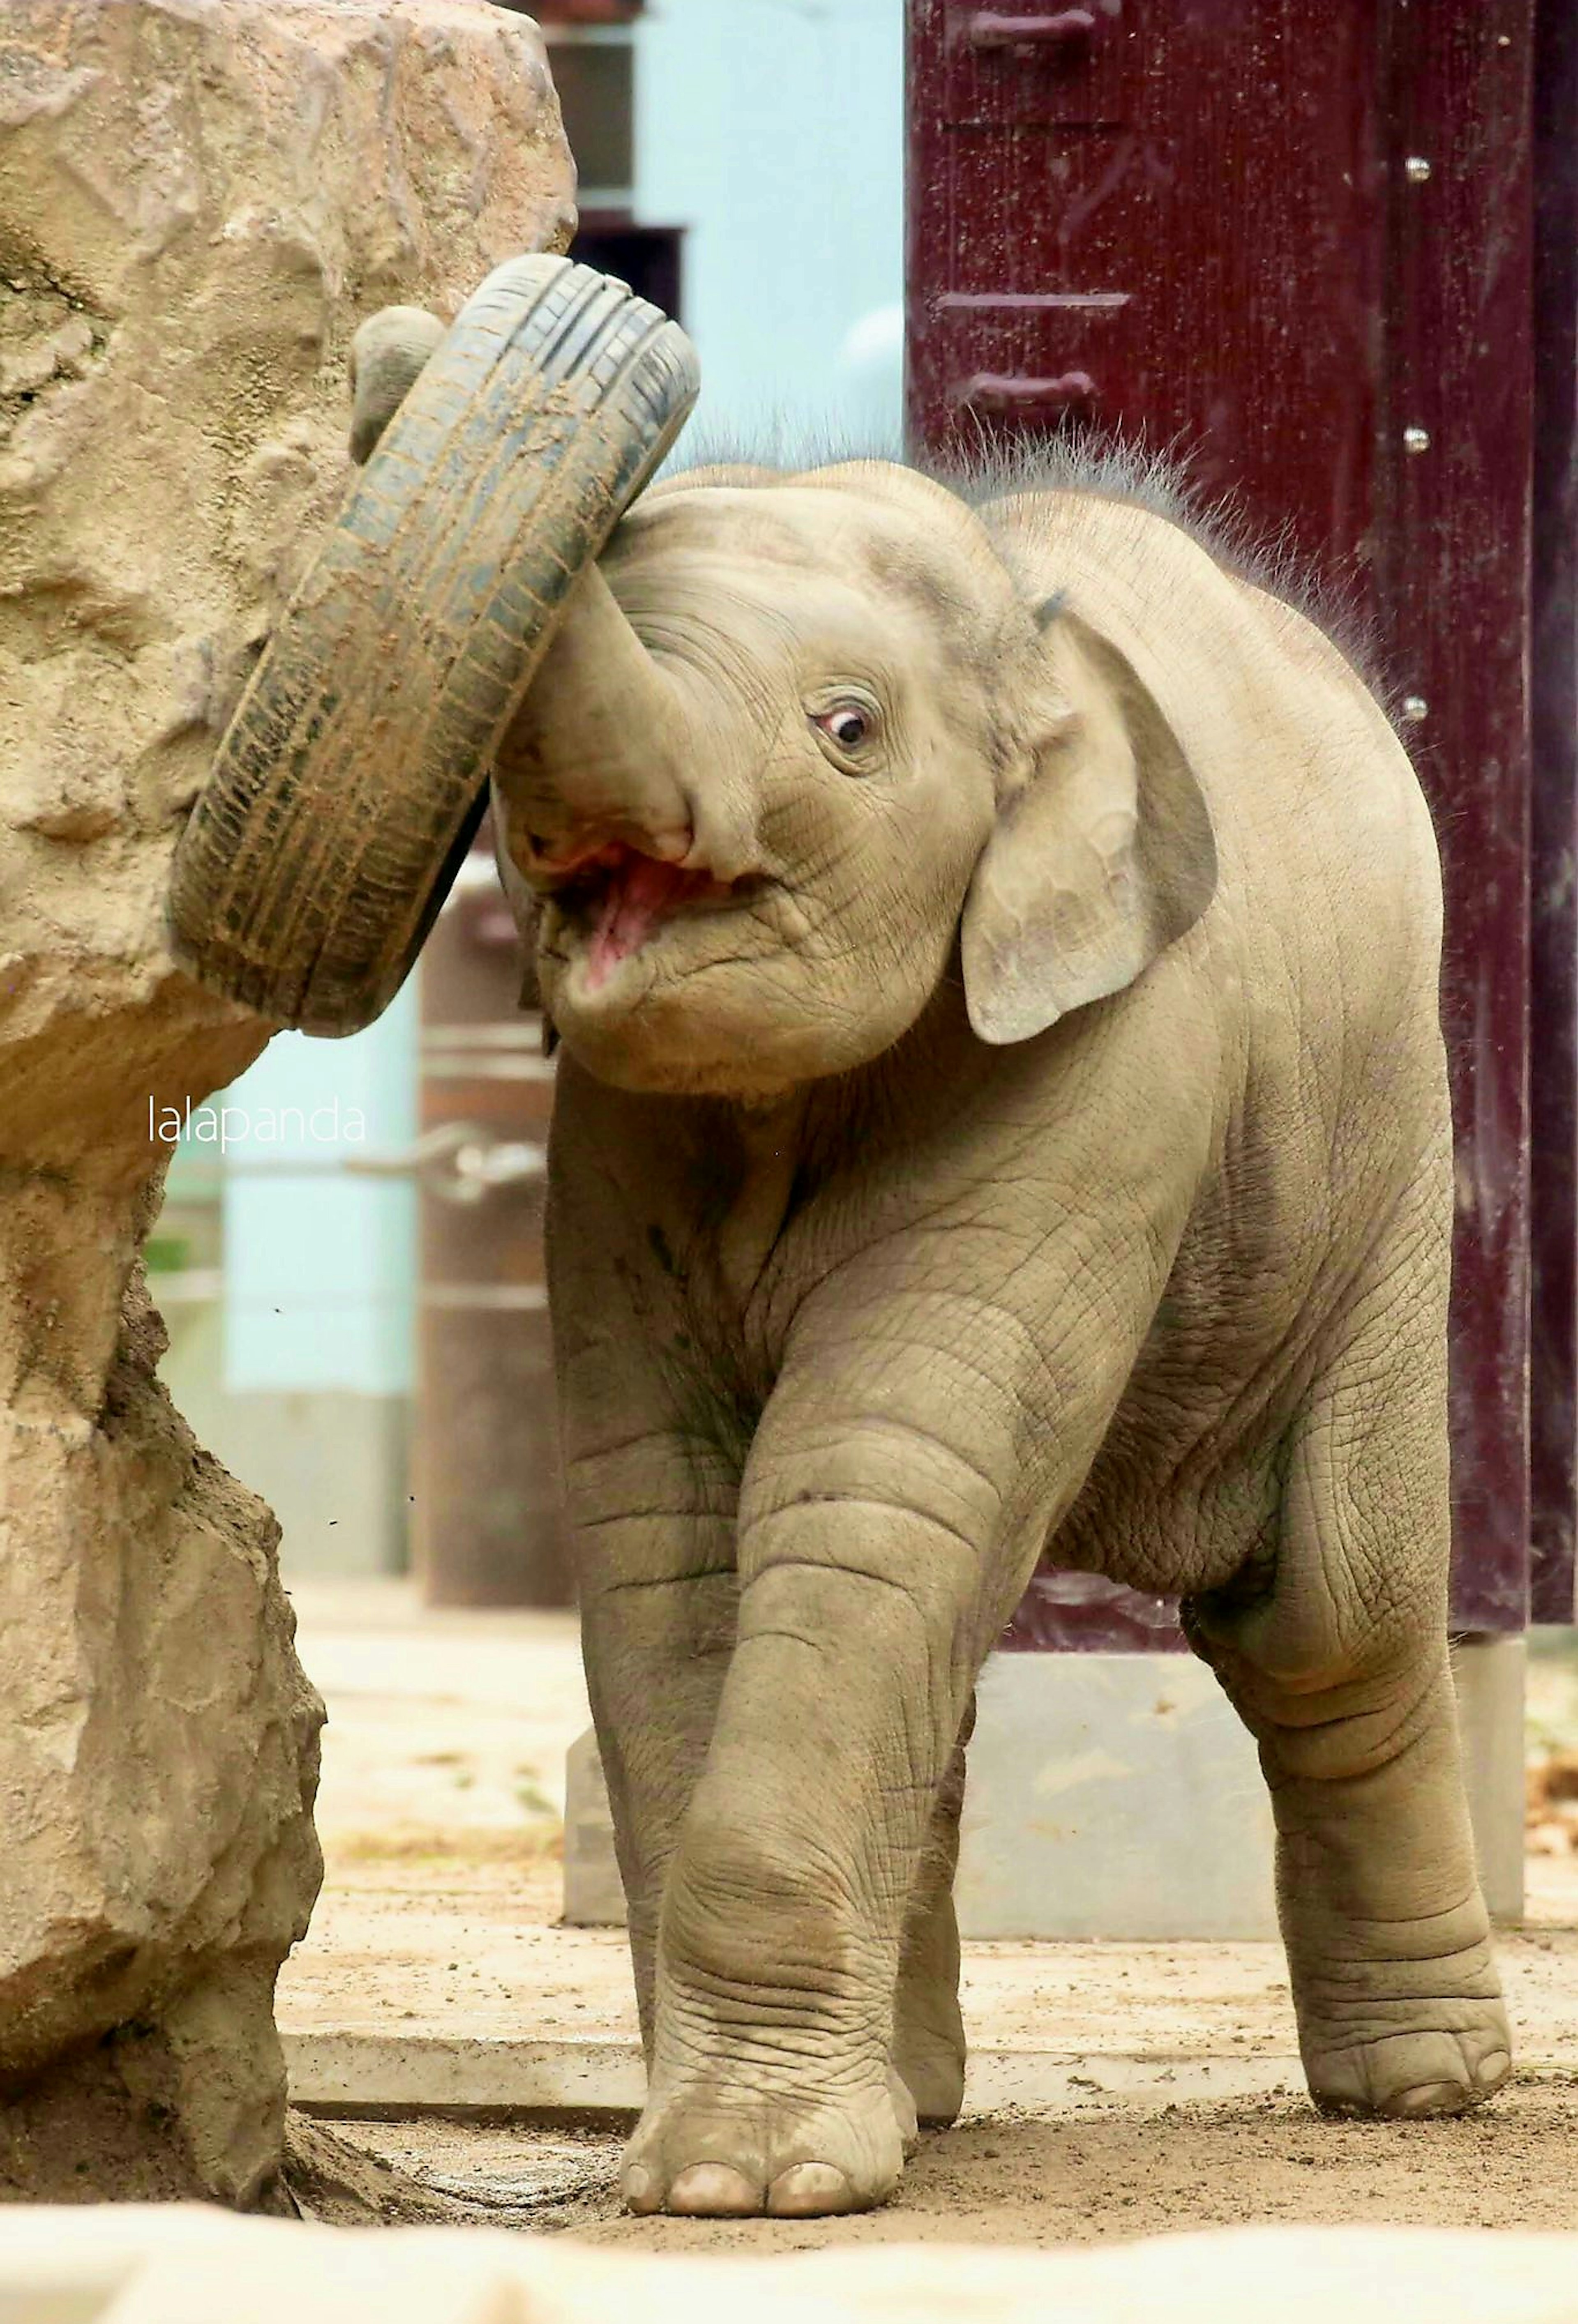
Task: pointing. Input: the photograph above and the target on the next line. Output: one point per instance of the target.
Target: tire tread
(355, 765)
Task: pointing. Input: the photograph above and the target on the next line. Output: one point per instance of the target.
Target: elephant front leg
(656, 1649)
(654, 1553)
(773, 2085)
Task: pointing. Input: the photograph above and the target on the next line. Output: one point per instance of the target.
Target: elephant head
(796, 739)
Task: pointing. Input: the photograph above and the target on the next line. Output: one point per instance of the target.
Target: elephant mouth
(619, 897)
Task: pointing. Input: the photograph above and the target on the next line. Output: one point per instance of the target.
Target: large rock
(198, 201)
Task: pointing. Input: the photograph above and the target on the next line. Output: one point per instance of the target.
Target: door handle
(1006, 394)
(458, 1161)
(988, 28)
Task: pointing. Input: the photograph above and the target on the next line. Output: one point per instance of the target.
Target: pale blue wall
(320, 1267)
(773, 131)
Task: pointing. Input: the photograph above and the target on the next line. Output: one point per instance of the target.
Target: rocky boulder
(199, 199)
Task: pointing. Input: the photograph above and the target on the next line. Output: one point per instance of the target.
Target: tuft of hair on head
(1129, 468)
(995, 466)
(784, 443)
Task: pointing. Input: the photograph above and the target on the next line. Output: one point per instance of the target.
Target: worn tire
(349, 783)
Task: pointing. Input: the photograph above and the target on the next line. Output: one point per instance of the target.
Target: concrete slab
(1492, 1679)
(347, 2074)
(1112, 1795)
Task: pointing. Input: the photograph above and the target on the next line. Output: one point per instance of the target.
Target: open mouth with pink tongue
(620, 896)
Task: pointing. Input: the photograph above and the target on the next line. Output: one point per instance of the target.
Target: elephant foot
(930, 2062)
(904, 2112)
(928, 2033)
(1408, 2059)
(699, 2154)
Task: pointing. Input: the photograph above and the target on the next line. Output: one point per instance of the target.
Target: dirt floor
(441, 1821)
(1095, 2174)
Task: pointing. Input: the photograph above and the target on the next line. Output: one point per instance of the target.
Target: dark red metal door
(1295, 242)
(1553, 830)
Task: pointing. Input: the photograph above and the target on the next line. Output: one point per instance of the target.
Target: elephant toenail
(808, 2188)
(1492, 2070)
(640, 2189)
(711, 2190)
(1430, 2098)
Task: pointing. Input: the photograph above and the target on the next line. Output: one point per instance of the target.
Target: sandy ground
(440, 1814)
(1092, 2175)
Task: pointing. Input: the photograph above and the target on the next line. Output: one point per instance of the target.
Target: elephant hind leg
(1389, 1945)
(1340, 1668)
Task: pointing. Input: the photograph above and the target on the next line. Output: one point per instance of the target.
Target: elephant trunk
(595, 753)
(388, 355)
(593, 757)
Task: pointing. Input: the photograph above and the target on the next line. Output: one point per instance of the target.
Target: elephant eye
(846, 726)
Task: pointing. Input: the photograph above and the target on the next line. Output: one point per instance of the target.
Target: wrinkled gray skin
(1037, 1133)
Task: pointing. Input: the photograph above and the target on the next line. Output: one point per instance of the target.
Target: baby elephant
(1002, 1109)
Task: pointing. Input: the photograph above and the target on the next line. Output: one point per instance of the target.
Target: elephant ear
(1101, 857)
(388, 355)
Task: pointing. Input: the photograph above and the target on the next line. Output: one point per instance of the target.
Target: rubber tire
(348, 785)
